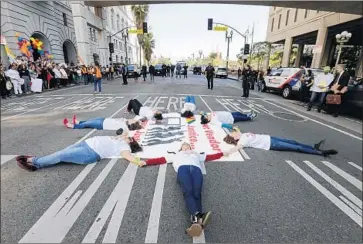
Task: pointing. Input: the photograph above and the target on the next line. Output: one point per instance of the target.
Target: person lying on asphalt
(189, 166)
(143, 111)
(104, 124)
(189, 107)
(89, 151)
(226, 119)
(267, 142)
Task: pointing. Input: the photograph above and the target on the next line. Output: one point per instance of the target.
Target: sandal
(194, 230)
(23, 163)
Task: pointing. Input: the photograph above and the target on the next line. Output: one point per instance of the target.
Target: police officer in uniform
(209, 70)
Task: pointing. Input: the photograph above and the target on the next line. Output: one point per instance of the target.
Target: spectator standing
(64, 75)
(90, 74)
(168, 70)
(246, 77)
(124, 74)
(151, 72)
(57, 75)
(98, 78)
(185, 72)
(112, 71)
(209, 70)
(172, 69)
(24, 74)
(144, 71)
(178, 70)
(306, 82)
(4, 83)
(84, 74)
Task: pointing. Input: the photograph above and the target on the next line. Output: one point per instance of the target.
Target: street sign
(210, 24)
(220, 28)
(136, 31)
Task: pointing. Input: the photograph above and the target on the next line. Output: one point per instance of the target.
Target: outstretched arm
(156, 161)
(233, 150)
(211, 157)
(132, 159)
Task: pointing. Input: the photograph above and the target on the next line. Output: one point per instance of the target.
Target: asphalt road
(268, 197)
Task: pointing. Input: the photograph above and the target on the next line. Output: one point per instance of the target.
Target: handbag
(333, 99)
(9, 85)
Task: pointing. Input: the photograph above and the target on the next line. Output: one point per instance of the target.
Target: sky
(181, 29)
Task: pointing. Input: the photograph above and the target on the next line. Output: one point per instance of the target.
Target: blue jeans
(97, 82)
(77, 153)
(279, 144)
(85, 78)
(190, 179)
(317, 95)
(238, 116)
(92, 123)
(190, 99)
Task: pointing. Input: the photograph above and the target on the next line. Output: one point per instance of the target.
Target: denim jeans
(317, 95)
(279, 144)
(85, 78)
(190, 179)
(190, 99)
(26, 84)
(92, 123)
(97, 82)
(238, 116)
(77, 153)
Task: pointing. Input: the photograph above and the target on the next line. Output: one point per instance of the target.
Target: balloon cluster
(28, 47)
(24, 46)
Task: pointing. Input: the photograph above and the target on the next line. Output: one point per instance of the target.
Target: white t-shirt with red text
(221, 117)
(255, 141)
(108, 146)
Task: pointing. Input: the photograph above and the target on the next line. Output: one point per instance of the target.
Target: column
(300, 50)
(287, 52)
(266, 62)
(320, 43)
(81, 30)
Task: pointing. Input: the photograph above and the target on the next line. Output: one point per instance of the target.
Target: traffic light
(210, 24)
(144, 27)
(111, 47)
(246, 50)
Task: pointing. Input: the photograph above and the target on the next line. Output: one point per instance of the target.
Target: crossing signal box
(246, 50)
(111, 47)
(144, 27)
(210, 24)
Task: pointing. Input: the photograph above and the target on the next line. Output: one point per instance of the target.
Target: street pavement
(268, 197)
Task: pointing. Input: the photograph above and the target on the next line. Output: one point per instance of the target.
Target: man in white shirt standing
(320, 87)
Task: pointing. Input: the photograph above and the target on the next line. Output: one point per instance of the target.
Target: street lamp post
(341, 39)
(229, 39)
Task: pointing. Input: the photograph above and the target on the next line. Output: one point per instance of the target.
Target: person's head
(326, 70)
(248, 67)
(134, 145)
(310, 73)
(230, 139)
(204, 119)
(14, 66)
(134, 126)
(210, 64)
(185, 147)
(158, 115)
(187, 114)
(340, 68)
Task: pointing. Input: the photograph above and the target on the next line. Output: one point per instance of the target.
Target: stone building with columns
(301, 27)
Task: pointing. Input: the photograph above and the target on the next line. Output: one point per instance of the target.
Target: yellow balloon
(32, 39)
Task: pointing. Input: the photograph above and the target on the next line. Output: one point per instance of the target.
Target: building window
(118, 22)
(65, 20)
(116, 58)
(278, 25)
(94, 35)
(90, 34)
(296, 11)
(272, 24)
(287, 17)
(112, 19)
(98, 11)
(123, 23)
(306, 13)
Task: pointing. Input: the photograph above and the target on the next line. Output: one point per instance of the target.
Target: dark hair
(134, 126)
(204, 120)
(134, 145)
(97, 63)
(187, 114)
(230, 140)
(158, 116)
(310, 73)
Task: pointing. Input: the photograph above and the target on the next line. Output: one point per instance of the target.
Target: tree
(200, 54)
(213, 55)
(140, 13)
(259, 52)
(148, 45)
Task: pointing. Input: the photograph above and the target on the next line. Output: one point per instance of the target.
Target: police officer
(246, 77)
(209, 70)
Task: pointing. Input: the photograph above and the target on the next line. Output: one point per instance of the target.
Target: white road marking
(173, 101)
(7, 158)
(154, 219)
(340, 204)
(199, 239)
(159, 102)
(355, 166)
(336, 185)
(316, 121)
(152, 102)
(35, 109)
(54, 225)
(357, 210)
(355, 182)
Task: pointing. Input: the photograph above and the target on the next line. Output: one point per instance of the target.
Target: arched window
(118, 23)
(112, 19)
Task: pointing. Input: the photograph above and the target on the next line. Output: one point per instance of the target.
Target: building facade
(302, 27)
(95, 25)
(49, 22)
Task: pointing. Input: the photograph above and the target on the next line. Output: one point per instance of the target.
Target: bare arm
(132, 159)
(233, 150)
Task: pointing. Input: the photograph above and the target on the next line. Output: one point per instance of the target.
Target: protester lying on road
(189, 107)
(87, 152)
(143, 111)
(226, 119)
(104, 124)
(189, 166)
(268, 142)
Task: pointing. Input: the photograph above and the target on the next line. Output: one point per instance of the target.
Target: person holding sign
(104, 124)
(226, 119)
(89, 151)
(267, 142)
(320, 88)
(189, 166)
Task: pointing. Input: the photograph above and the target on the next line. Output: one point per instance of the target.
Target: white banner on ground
(157, 139)
(37, 85)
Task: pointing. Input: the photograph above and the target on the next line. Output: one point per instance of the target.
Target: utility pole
(251, 48)
(229, 39)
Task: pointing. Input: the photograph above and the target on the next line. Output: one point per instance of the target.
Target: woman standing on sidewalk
(189, 166)
(226, 119)
(98, 78)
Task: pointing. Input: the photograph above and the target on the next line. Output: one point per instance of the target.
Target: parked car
(285, 80)
(158, 70)
(354, 95)
(221, 72)
(197, 70)
(132, 71)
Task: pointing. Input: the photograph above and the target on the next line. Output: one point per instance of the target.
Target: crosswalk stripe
(7, 158)
(350, 204)
(355, 182)
(339, 187)
(199, 239)
(355, 166)
(339, 203)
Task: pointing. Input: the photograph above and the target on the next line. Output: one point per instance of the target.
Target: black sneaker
(319, 144)
(203, 218)
(326, 153)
